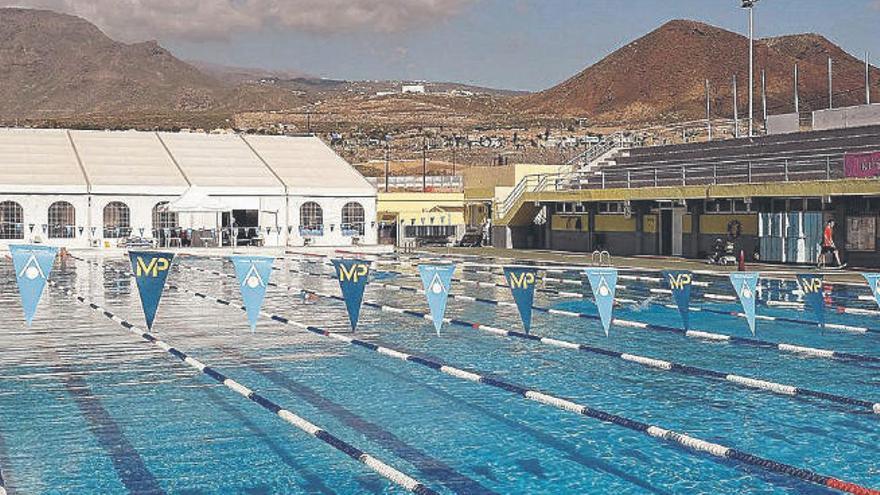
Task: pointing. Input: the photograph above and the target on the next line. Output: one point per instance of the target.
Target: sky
(512, 44)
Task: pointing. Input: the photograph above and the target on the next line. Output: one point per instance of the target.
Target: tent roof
(195, 200)
(161, 163)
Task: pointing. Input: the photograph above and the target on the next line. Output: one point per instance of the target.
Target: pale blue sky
(523, 44)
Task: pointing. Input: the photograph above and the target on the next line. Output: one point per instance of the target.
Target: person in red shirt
(828, 245)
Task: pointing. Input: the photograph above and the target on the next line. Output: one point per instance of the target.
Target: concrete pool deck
(651, 262)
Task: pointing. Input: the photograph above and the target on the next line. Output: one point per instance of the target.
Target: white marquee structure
(92, 188)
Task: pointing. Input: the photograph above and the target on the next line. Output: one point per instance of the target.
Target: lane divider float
(385, 470)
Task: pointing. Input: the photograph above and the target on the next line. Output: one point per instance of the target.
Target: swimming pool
(86, 407)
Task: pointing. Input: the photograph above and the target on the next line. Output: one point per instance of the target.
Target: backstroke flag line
(150, 272)
(814, 296)
(746, 284)
(874, 284)
(33, 264)
(353, 276)
(252, 273)
(680, 283)
(522, 287)
(603, 281)
(437, 280)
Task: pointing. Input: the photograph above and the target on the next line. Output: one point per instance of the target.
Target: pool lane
(388, 322)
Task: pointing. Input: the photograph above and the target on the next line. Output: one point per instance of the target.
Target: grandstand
(771, 194)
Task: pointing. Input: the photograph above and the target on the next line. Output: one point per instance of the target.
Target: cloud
(218, 19)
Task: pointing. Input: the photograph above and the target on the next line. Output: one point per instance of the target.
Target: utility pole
(735, 110)
(424, 165)
(830, 86)
(750, 4)
(386, 165)
(454, 147)
(797, 108)
(764, 96)
(867, 78)
(708, 111)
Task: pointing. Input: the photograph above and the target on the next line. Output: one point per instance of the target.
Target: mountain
(662, 77)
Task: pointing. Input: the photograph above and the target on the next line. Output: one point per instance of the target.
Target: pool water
(87, 407)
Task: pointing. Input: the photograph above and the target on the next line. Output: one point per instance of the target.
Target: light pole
(750, 4)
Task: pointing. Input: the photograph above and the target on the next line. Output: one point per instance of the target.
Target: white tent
(195, 200)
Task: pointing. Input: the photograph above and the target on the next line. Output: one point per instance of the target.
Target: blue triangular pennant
(437, 281)
(150, 272)
(33, 264)
(352, 276)
(603, 281)
(814, 294)
(746, 286)
(873, 280)
(252, 273)
(522, 287)
(680, 283)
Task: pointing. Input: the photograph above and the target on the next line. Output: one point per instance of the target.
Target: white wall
(90, 213)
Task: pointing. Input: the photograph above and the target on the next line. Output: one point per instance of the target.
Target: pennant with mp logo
(252, 273)
(33, 264)
(746, 286)
(522, 287)
(437, 281)
(874, 284)
(150, 272)
(353, 276)
(680, 283)
(603, 281)
(814, 295)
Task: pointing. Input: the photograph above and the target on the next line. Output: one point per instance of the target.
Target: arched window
(62, 220)
(353, 219)
(311, 216)
(164, 219)
(117, 220)
(11, 220)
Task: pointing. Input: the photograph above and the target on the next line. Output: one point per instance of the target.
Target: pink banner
(862, 164)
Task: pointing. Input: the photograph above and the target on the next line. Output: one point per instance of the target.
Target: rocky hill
(661, 77)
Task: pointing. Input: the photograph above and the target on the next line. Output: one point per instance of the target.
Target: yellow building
(423, 215)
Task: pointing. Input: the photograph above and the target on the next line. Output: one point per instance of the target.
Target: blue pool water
(87, 407)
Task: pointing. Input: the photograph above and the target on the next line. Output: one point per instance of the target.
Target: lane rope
(690, 442)
(375, 464)
(747, 382)
(723, 297)
(695, 334)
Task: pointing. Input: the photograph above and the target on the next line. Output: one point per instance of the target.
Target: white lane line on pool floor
(383, 469)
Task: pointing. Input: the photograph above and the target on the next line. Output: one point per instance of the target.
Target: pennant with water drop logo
(680, 283)
(522, 287)
(33, 264)
(353, 276)
(603, 281)
(150, 272)
(252, 273)
(814, 295)
(745, 284)
(437, 281)
(873, 280)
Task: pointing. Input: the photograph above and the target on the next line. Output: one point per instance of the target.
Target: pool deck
(649, 262)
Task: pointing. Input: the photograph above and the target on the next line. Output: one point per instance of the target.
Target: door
(770, 235)
(677, 217)
(666, 232)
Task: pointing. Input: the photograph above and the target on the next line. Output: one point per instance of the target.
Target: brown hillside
(661, 77)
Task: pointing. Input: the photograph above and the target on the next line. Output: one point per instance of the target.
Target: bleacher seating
(798, 156)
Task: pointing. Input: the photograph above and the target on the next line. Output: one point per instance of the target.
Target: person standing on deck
(828, 245)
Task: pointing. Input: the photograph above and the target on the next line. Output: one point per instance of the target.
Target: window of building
(612, 207)
(353, 219)
(164, 219)
(117, 220)
(11, 220)
(311, 216)
(727, 206)
(62, 220)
